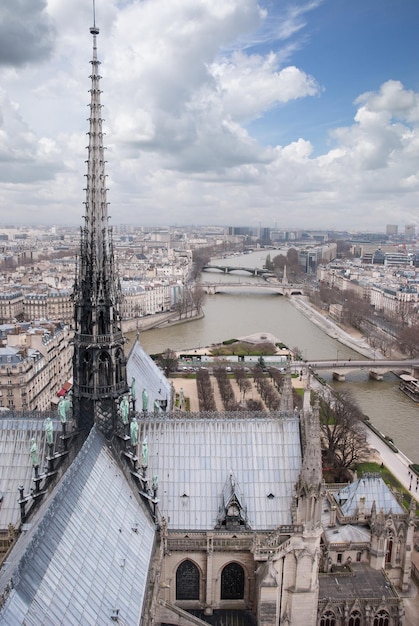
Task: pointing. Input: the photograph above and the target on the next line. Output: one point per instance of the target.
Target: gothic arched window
(381, 619)
(355, 619)
(232, 582)
(119, 357)
(105, 369)
(86, 369)
(328, 619)
(102, 329)
(187, 581)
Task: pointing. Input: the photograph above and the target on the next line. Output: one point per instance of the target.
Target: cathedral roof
(365, 582)
(374, 489)
(147, 376)
(194, 456)
(86, 553)
(15, 462)
(347, 533)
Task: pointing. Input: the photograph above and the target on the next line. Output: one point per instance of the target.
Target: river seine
(250, 310)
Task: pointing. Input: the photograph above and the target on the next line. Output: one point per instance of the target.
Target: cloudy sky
(299, 113)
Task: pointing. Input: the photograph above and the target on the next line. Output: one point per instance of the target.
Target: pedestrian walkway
(353, 340)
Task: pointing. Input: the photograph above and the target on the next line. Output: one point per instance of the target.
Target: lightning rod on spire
(94, 30)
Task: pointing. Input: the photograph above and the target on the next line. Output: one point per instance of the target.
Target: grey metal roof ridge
(210, 416)
(42, 518)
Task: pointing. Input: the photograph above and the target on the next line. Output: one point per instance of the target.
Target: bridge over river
(271, 282)
(285, 289)
(228, 269)
(376, 368)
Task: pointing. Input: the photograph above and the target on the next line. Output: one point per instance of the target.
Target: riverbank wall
(352, 339)
(156, 321)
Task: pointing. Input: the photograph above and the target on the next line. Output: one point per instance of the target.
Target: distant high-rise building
(243, 231)
(392, 229)
(265, 235)
(410, 230)
(260, 232)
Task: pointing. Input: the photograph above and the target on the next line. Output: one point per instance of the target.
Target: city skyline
(215, 112)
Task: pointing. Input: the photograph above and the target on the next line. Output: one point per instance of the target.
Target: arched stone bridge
(227, 269)
(282, 290)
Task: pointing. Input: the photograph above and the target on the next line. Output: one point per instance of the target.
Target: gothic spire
(96, 239)
(99, 366)
(287, 400)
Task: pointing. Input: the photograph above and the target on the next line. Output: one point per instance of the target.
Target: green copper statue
(49, 431)
(144, 456)
(133, 392)
(63, 407)
(124, 408)
(134, 432)
(145, 400)
(33, 451)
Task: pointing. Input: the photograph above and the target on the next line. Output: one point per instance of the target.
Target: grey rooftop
(86, 552)
(193, 459)
(374, 489)
(362, 582)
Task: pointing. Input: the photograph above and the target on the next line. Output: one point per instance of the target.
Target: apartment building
(11, 306)
(17, 306)
(395, 293)
(35, 362)
(148, 299)
(54, 305)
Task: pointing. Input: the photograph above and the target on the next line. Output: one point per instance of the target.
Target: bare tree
(198, 296)
(168, 361)
(205, 391)
(409, 340)
(279, 262)
(356, 309)
(184, 304)
(404, 312)
(294, 268)
(297, 352)
(343, 432)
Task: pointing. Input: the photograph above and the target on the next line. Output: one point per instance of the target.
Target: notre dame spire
(99, 365)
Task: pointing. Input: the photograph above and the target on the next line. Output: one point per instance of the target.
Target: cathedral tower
(99, 364)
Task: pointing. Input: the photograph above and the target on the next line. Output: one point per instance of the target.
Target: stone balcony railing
(202, 542)
(106, 390)
(98, 339)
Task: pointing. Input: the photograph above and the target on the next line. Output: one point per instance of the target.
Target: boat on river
(410, 386)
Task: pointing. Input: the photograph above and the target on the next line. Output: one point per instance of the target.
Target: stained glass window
(232, 582)
(187, 581)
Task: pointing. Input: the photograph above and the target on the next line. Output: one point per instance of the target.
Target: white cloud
(250, 85)
(392, 100)
(181, 85)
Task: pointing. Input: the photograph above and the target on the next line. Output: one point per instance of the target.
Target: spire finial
(94, 30)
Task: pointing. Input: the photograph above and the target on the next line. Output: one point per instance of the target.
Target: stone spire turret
(309, 487)
(287, 400)
(99, 365)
